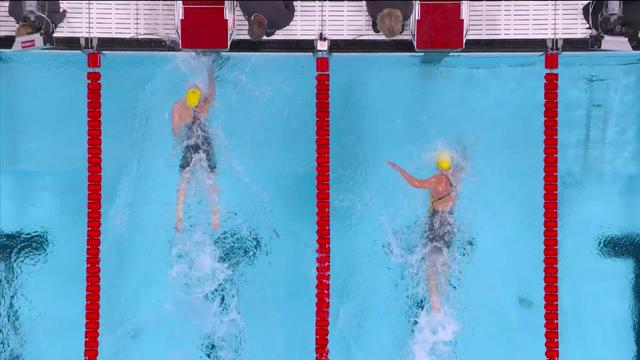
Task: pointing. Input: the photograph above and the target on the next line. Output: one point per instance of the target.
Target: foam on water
(195, 67)
(434, 335)
(202, 290)
(201, 275)
(205, 266)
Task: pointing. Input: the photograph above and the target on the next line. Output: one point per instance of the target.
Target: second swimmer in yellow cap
(440, 229)
(189, 125)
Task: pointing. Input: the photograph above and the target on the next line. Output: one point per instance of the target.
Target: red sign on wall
(28, 44)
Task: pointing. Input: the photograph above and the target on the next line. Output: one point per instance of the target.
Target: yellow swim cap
(443, 160)
(192, 97)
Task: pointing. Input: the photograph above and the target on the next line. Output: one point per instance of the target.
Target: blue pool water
(247, 291)
(151, 303)
(403, 108)
(599, 197)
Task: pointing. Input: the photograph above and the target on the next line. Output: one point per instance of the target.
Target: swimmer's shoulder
(181, 111)
(180, 105)
(443, 178)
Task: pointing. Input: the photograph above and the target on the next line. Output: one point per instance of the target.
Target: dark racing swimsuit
(440, 226)
(197, 141)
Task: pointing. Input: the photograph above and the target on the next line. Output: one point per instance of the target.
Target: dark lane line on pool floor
(17, 249)
(626, 246)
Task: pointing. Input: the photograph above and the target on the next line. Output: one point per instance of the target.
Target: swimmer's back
(442, 195)
(181, 115)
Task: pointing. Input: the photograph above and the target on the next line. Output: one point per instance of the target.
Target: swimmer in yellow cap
(189, 125)
(440, 230)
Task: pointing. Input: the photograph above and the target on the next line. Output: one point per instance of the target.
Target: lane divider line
(323, 225)
(94, 206)
(550, 198)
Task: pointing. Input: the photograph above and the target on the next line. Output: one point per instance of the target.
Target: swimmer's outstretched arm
(176, 123)
(211, 90)
(203, 108)
(212, 85)
(417, 183)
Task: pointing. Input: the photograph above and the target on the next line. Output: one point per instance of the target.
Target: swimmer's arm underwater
(212, 86)
(211, 94)
(176, 120)
(417, 183)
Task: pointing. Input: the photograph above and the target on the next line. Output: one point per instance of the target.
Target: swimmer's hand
(424, 184)
(394, 166)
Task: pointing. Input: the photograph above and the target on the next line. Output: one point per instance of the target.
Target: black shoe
(374, 26)
(47, 39)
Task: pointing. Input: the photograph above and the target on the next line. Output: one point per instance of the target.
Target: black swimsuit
(440, 227)
(197, 142)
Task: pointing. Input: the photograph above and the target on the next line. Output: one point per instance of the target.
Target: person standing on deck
(266, 17)
(388, 17)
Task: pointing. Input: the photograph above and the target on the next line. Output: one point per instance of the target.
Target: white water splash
(434, 336)
(202, 292)
(434, 333)
(195, 67)
(195, 266)
(203, 286)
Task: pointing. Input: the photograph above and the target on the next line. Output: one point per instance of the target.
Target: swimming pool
(484, 106)
(402, 108)
(600, 197)
(150, 307)
(248, 291)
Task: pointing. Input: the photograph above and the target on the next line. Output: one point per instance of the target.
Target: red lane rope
(323, 258)
(94, 207)
(551, 207)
